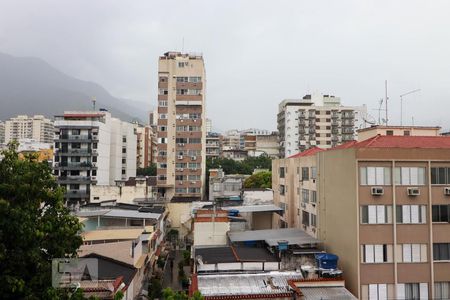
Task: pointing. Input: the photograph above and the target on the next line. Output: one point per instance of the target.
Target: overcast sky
(256, 52)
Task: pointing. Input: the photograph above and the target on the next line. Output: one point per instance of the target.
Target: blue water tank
(233, 212)
(326, 260)
(283, 245)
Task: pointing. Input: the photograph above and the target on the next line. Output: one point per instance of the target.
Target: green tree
(148, 171)
(169, 294)
(259, 180)
(35, 227)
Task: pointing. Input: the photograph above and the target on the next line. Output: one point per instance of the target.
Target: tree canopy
(259, 180)
(35, 227)
(148, 171)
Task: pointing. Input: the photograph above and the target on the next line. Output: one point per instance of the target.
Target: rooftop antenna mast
(401, 103)
(93, 103)
(386, 99)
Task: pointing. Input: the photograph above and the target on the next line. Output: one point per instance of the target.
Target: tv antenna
(386, 99)
(401, 103)
(380, 109)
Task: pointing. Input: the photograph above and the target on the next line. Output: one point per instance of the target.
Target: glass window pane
(434, 176)
(441, 176)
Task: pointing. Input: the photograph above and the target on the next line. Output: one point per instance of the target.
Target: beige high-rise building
(181, 157)
(38, 128)
(382, 205)
(146, 146)
(2, 132)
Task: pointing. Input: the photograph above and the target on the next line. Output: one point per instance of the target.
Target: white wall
(210, 233)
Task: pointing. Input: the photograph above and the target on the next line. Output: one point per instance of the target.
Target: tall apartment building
(37, 128)
(181, 126)
(232, 140)
(92, 148)
(262, 144)
(382, 205)
(2, 132)
(316, 120)
(208, 126)
(146, 146)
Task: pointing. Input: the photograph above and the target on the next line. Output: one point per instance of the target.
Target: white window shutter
(373, 292)
(378, 253)
(363, 176)
(414, 176)
(423, 211)
(407, 253)
(406, 214)
(415, 249)
(382, 292)
(380, 175)
(414, 214)
(371, 176)
(405, 176)
(423, 291)
(421, 174)
(400, 291)
(372, 214)
(381, 218)
(369, 254)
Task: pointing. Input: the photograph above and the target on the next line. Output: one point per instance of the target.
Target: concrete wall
(210, 233)
(125, 194)
(338, 211)
(180, 213)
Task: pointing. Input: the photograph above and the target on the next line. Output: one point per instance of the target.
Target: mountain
(31, 86)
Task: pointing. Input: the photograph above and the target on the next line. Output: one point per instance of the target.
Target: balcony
(77, 194)
(75, 166)
(75, 138)
(76, 179)
(76, 152)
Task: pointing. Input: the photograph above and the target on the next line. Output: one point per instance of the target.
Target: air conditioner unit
(193, 157)
(180, 169)
(180, 156)
(447, 191)
(413, 191)
(377, 191)
(180, 182)
(193, 182)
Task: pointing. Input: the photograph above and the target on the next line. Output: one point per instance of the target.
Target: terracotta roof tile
(310, 151)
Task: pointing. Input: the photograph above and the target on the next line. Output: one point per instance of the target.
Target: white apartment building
(37, 127)
(92, 148)
(315, 120)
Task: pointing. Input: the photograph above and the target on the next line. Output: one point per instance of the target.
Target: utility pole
(401, 103)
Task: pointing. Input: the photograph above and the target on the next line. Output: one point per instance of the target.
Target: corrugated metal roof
(246, 284)
(254, 208)
(118, 213)
(293, 236)
(325, 293)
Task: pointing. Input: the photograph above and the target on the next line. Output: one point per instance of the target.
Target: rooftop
(255, 208)
(114, 234)
(117, 213)
(405, 142)
(399, 127)
(229, 254)
(292, 236)
(228, 286)
(310, 151)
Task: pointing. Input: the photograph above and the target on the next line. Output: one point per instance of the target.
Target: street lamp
(401, 103)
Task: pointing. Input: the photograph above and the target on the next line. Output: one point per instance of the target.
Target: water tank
(282, 245)
(326, 261)
(233, 213)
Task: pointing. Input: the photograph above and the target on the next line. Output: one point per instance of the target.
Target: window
(389, 132)
(441, 213)
(282, 190)
(377, 291)
(313, 172)
(375, 175)
(180, 190)
(281, 172)
(179, 177)
(75, 131)
(440, 175)
(442, 290)
(124, 139)
(182, 79)
(181, 140)
(162, 103)
(376, 253)
(376, 214)
(124, 160)
(74, 186)
(162, 165)
(195, 141)
(182, 64)
(409, 253)
(409, 175)
(124, 150)
(162, 128)
(162, 177)
(407, 133)
(163, 92)
(412, 291)
(194, 190)
(94, 145)
(411, 214)
(313, 218)
(163, 116)
(94, 158)
(76, 146)
(441, 251)
(162, 140)
(305, 195)
(124, 171)
(313, 196)
(305, 173)
(305, 218)
(94, 172)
